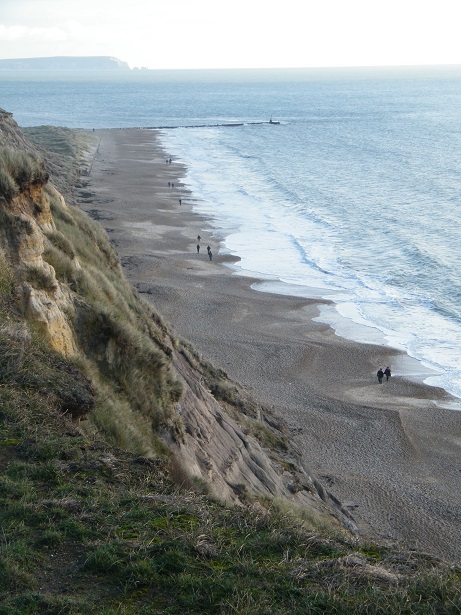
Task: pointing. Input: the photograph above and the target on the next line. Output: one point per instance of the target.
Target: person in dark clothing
(210, 255)
(380, 375)
(387, 373)
(198, 248)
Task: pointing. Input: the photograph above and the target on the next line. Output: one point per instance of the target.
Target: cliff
(67, 63)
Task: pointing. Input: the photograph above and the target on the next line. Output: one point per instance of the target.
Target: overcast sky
(235, 34)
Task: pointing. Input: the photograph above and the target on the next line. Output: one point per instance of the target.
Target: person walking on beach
(210, 254)
(180, 201)
(198, 238)
(380, 375)
(198, 248)
(387, 373)
(208, 249)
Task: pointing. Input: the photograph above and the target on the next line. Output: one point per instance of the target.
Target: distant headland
(87, 63)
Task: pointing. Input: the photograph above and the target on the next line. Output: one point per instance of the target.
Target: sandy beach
(388, 452)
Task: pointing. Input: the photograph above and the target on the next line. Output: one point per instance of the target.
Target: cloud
(204, 33)
(29, 34)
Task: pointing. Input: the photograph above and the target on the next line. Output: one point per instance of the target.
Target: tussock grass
(64, 267)
(19, 169)
(62, 244)
(14, 343)
(12, 226)
(68, 153)
(26, 362)
(8, 187)
(39, 278)
(307, 518)
(6, 277)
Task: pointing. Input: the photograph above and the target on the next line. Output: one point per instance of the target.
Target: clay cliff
(143, 389)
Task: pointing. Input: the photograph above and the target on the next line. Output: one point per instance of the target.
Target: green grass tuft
(19, 169)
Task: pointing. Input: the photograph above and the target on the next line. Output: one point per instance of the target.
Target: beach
(388, 452)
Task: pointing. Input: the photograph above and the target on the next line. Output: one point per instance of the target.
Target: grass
(67, 153)
(39, 278)
(18, 170)
(87, 528)
(125, 347)
(95, 530)
(6, 277)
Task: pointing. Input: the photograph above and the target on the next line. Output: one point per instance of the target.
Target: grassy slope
(90, 528)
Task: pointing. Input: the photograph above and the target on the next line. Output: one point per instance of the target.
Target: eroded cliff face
(213, 446)
(25, 220)
(208, 443)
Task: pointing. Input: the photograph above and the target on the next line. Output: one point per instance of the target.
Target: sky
(183, 34)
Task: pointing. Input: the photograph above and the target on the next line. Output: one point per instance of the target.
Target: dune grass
(19, 169)
(68, 153)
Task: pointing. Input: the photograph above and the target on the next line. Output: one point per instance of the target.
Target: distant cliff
(104, 63)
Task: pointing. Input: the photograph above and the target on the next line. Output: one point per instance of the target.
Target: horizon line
(316, 67)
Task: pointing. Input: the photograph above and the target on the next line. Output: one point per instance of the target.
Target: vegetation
(67, 153)
(18, 170)
(124, 344)
(88, 528)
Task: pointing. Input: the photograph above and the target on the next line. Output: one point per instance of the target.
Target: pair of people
(381, 374)
(208, 249)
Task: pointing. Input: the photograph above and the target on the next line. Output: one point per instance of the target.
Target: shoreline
(386, 451)
(345, 316)
(408, 367)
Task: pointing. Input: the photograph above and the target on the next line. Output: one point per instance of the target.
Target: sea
(352, 193)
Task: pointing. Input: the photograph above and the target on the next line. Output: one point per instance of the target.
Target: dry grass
(19, 169)
(6, 276)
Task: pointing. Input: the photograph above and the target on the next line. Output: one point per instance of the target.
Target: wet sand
(388, 452)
